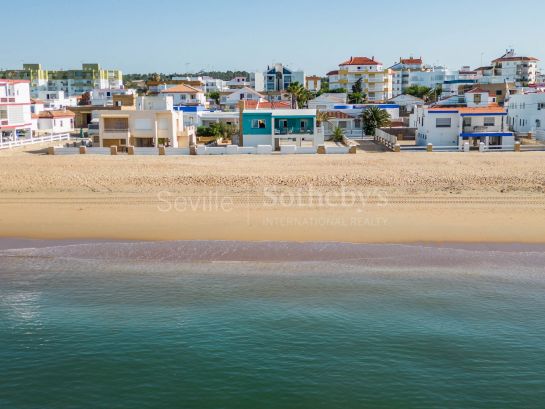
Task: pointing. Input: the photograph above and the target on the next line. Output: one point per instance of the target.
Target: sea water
(271, 325)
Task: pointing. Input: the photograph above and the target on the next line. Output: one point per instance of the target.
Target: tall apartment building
(512, 67)
(15, 115)
(376, 81)
(276, 78)
(71, 82)
(412, 71)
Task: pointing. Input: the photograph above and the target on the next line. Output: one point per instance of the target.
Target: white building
(183, 94)
(512, 67)
(527, 113)
(407, 103)
(376, 81)
(56, 100)
(230, 99)
(209, 84)
(15, 113)
(240, 82)
(53, 122)
(328, 101)
(104, 97)
(451, 123)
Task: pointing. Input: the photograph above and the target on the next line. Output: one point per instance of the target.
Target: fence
(33, 141)
(384, 138)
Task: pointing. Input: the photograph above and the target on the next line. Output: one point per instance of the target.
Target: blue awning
(483, 134)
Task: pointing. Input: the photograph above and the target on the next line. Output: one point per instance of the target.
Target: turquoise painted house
(281, 126)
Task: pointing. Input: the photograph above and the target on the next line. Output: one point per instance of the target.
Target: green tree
(322, 117)
(357, 98)
(357, 88)
(373, 118)
(222, 130)
(338, 134)
(418, 91)
(215, 96)
(299, 95)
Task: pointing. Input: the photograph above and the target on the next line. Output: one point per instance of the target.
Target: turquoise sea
(265, 325)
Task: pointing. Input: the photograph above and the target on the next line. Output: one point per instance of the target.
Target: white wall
(526, 112)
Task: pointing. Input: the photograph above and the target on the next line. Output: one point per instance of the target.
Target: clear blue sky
(314, 35)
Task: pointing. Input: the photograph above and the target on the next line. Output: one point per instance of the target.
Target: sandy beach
(367, 197)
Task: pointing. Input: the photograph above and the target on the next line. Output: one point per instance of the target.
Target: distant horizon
(221, 36)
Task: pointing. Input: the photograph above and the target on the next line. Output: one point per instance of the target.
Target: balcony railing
(116, 130)
(477, 129)
(293, 131)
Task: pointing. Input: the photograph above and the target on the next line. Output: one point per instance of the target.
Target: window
(442, 122)
(467, 121)
(489, 121)
(498, 92)
(477, 98)
(258, 124)
(303, 124)
(538, 123)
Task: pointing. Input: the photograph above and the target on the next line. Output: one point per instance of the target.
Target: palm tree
(322, 117)
(338, 134)
(299, 95)
(373, 118)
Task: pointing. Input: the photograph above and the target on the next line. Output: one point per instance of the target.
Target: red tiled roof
(56, 114)
(492, 108)
(477, 90)
(181, 89)
(361, 61)
(411, 61)
(5, 80)
(515, 59)
(339, 115)
(334, 72)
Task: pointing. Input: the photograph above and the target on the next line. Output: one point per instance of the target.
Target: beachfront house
(527, 113)
(15, 114)
(474, 118)
(280, 126)
(53, 122)
(153, 123)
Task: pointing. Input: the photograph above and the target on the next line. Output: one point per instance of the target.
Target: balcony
(478, 129)
(283, 131)
(116, 134)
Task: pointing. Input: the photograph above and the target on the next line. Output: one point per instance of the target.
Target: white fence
(209, 150)
(146, 151)
(384, 138)
(176, 151)
(294, 149)
(336, 150)
(33, 141)
(97, 151)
